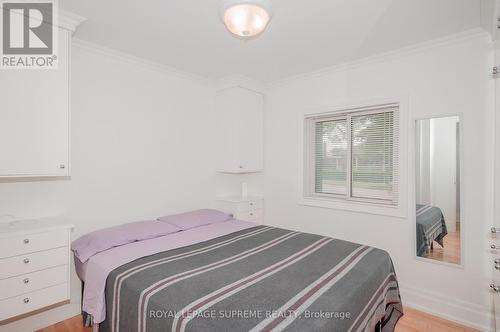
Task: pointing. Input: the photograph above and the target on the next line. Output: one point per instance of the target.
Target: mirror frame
(413, 193)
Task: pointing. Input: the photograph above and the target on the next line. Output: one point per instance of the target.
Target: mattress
(258, 278)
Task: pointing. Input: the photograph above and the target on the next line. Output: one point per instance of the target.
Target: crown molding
(246, 82)
(68, 20)
(241, 81)
(132, 59)
(382, 57)
(64, 19)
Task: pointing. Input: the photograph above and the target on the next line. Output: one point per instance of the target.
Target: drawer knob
(62, 166)
(26, 241)
(26, 300)
(251, 203)
(26, 280)
(26, 260)
(251, 213)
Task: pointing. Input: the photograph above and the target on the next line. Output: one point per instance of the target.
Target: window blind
(331, 157)
(355, 155)
(374, 157)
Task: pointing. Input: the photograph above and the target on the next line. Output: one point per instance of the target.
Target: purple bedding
(92, 243)
(96, 269)
(196, 218)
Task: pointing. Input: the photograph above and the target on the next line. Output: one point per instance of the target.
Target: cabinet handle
(26, 260)
(62, 166)
(26, 300)
(240, 166)
(26, 280)
(26, 241)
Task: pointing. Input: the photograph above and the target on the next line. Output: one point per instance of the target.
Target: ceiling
(303, 36)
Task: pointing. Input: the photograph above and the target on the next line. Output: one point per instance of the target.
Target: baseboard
(462, 312)
(44, 319)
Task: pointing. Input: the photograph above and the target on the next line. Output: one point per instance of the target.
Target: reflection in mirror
(438, 189)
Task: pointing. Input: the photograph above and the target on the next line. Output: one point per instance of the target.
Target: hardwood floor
(451, 251)
(412, 321)
(418, 321)
(74, 324)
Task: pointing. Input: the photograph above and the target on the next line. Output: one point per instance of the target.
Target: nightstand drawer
(249, 215)
(23, 264)
(24, 244)
(32, 301)
(30, 282)
(249, 205)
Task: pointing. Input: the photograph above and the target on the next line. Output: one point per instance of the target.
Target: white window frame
(307, 194)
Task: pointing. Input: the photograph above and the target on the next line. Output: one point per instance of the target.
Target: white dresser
(249, 208)
(34, 267)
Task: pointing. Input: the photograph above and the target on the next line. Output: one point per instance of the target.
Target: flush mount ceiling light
(246, 18)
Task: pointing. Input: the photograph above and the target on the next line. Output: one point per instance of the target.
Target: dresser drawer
(23, 264)
(30, 282)
(32, 301)
(249, 215)
(249, 205)
(24, 244)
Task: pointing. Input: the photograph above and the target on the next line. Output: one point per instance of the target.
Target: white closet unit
(240, 130)
(35, 115)
(35, 260)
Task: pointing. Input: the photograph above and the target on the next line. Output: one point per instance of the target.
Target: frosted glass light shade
(246, 19)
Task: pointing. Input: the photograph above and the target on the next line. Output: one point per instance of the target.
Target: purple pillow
(92, 243)
(196, 218)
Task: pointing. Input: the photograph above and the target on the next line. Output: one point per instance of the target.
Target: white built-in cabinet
(35, 265)
(239, 130)
(35, 118)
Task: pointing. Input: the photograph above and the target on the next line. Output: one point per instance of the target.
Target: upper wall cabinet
(240, 130)
(35, 116)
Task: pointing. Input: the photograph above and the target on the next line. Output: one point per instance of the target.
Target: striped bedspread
(430, 227)
(258, 279)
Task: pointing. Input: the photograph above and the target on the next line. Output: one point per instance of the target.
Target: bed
(431, 227)
(240, 276)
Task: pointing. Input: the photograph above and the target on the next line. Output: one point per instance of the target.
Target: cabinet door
(226, 130)
(250, 123)
(34, 119)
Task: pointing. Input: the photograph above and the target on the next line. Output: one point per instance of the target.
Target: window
(353, 155)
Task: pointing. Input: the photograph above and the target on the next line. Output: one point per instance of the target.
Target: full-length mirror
(438, 218)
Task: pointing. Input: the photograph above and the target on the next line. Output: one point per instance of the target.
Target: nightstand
(249, 208)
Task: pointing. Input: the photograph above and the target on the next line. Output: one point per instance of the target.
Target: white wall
(443, 78)
(141, 148)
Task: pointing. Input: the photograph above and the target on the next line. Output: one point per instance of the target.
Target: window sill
(352, 206)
